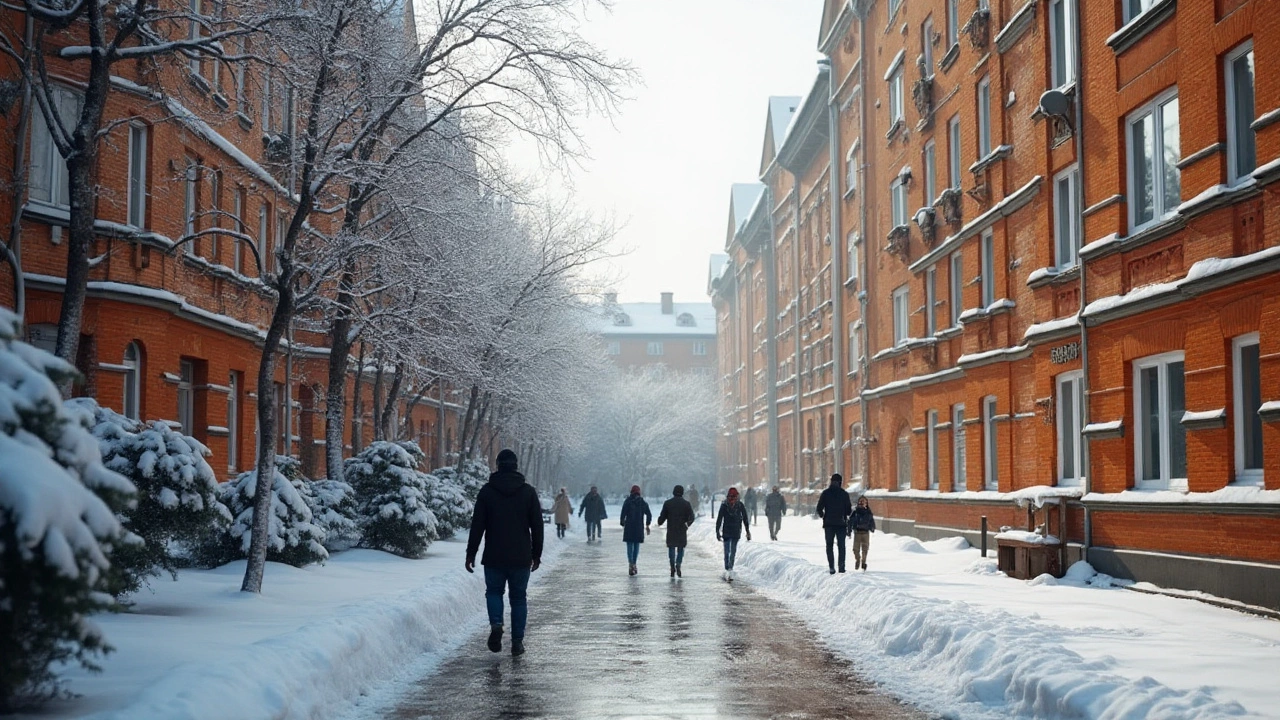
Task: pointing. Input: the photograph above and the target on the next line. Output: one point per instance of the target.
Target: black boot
(678, 571)
(517, 647)
(673, 569)
(495, 638)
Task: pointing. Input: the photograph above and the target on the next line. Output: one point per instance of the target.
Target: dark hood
(507, 482)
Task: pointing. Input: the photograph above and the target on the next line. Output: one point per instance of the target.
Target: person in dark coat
(775, 506)
(593, 506)
(694, 500)
(834, 508)
(751, 500)
(508, 517)
(730, 524)
(861, 525)
(635, 519)
(680, 513)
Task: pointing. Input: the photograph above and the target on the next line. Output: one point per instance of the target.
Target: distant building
(675, 336)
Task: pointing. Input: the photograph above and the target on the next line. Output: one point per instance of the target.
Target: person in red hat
(731, 521)
(635, 519)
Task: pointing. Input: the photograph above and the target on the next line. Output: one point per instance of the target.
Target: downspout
(1084, 285)
(864, 257)
(837, 265)
(771, 336)
(13, 248)
(796, 420)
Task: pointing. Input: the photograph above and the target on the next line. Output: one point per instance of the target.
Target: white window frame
(186, 396)
(1062, 37)
(901, 315)
(1066, 218)
(215, 211)
(241, 48)
(956, 276)
(851, 170)
(988, 279)
(233, 420)
(930, 300)
(266, 100)
(930, 172)
(931, 437)
(953, 23)
(237, 255)
(1236, 124)
(959, 450)
(194, 32)
(1131, 12)
(1244, 476)
(926, 46)
(136, 188)
(1070, 384)
(897, 101)
(898, 201)
(1165, 481)
(613, 347)
(953, 152)
(190, 200)
(131, 400)
(894, 6)
(1156, 110)
(855, 348)
(699, 348)
(984, 117)
(853, 242)
(990, 445)
(48, 182)
(904, 462)
(654, 348)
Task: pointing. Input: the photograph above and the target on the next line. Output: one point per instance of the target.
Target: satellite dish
(1055, 103)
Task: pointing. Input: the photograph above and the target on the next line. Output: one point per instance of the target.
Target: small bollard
(984, 536)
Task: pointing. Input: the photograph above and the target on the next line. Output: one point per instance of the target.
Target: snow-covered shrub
(449, 503)
(333, 508)
(56, 534)
(393, 498)
(177, 507)
(473, 476)
(293, 536)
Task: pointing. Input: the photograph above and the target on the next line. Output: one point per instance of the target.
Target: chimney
(611, 297)
(668, 303)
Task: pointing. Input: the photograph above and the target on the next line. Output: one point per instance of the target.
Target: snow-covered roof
(742, 198)
(647, 318)
(716, 267)
(781, 110)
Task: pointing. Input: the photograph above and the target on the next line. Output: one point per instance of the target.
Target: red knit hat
(635, 489)
(733, 492)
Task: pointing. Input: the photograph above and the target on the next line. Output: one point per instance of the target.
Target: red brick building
(1058, 248)
(680, 337)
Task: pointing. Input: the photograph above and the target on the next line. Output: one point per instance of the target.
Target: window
(282, 231)
(1066, 217)
(43, 336)
(1154, 181)
(1247, 379)
(930, 299)
(215, 216)
(233, 420)
(48, 175)
(930, 172)
(282, 418)
(137, 186)
(266, 101)
(926, 42)
(990, 445)
(287, 123)
(240, 50)
(700, 348)
(959, 451)
(988, 268)
(186, 396)
(237, 259)
(264, 239)
(1062, 41)
(851, 170)
(855, 348)
(194, 32)
(190, 198)
(896, 95)
(1070, 419)
(1242, 155)
(853, 256)
(953, 151)
(132, 400)
(953, 22)
(1160, 439)
(898, 195)
(931, 436)
(685, 320)
(893, 7)
(957, 288)
(856, 463)
(1134, 8)
(984, 117)
(901, 313)
(613, 347)
(904, 460)
(655, 348)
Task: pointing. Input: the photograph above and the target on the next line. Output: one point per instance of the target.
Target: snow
(894, 64)
(1037, 495)
(782, 108)
(1204, 416)
(1048, 327)
(1026, 536)
(319, 642)
(648, 319)
(1270, 406)
(1096, 246)
(743, 197)
(989, 354)
(937, 625)
(1201, 270)
(1211, 193)
(1237, 494)
(1102, 427)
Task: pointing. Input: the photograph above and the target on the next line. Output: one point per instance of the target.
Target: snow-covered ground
(318, 642)
(939, 626)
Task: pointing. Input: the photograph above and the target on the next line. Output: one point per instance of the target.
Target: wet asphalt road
(601, 644)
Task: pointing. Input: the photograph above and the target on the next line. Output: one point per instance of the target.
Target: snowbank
(939, 626)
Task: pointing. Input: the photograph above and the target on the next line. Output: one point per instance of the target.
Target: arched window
(132, 381)
(621, 319)
(685, 320)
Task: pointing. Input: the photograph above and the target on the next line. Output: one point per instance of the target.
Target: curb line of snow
(954, 658)
(321, 669)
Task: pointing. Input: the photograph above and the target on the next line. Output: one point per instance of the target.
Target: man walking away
(861, 525)
(730, 523)
(775, 506)
(750, 499)
(834, 508)
(593, 506)
(635, 520)
(508, 516)
(693, 500)
(679, 512)
(562, 508)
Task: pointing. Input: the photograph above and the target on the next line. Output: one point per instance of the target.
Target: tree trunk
(335, 411)
(466, 424)
(478, 425)
(377, 397)
(357, 406)
(389, 407)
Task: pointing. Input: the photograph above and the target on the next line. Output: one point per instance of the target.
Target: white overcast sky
(693, 126)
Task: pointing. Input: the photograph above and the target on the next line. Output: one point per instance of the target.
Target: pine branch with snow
(334, 508)
(394, 498)
(293, 535)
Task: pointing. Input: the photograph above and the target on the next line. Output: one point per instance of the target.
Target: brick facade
(1089, 334)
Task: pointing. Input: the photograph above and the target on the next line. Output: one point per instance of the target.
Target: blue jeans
(633, 552)
(730, 552)
(593, 529)
(676, 555)
(516, 580)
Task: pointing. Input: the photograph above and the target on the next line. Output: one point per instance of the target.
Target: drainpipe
(837, 265)
(771, 336)
(1084, 285)
(796, 420)
(864, 257)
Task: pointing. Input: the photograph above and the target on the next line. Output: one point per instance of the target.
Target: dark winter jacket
(834, 507)
(508, 516)
(731, 520)
(693, 498)
(635, 516)
(862, 520)
(680, 513)
(775, 506)
(593, 506)
(750, 499)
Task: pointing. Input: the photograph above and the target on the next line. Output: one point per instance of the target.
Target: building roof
(646, 318)
(715, 269)
(743, 197)
(781, 109)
